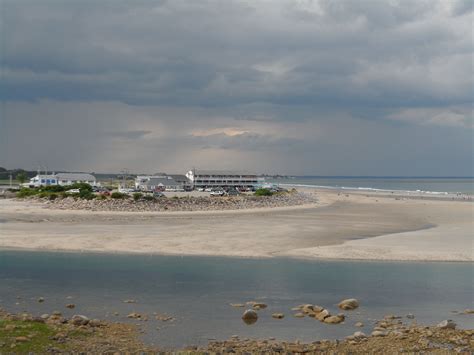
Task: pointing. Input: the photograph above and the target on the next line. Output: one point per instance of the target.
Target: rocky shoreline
(191, 203)
(25, 333)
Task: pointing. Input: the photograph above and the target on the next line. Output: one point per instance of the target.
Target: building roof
(161, 180)
(178, 177)
(222, 172)
(75, 176)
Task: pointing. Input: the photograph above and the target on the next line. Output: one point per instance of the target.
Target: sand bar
(340, 226)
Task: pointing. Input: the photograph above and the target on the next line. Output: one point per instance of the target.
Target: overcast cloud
(298, 87)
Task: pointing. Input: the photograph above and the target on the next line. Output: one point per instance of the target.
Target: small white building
(41, 180)
(223, 178)
(62, 179)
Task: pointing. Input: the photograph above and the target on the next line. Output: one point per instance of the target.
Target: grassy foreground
(25, 334)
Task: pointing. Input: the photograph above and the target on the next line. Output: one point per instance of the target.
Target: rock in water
(359, 324)
(349, 304)
(322, 315)
(278, 315)
(334, 319)
(447, 324)
(249, 316)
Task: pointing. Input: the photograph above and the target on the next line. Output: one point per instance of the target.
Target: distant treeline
(5, 173)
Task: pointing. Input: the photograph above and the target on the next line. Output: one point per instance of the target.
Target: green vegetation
(149, 198)
(53, 188)
(25, 192)
(263, 192)
(21, 177)
(137, 196)
(22, 337)
(118, 195)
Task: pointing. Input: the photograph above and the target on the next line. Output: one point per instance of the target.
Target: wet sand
(341, 226)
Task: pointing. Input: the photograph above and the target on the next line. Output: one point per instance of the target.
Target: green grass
(38, 334)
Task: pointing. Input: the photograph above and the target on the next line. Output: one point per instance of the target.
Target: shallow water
(198, 290)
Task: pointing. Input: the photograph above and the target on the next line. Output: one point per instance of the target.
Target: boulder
(299, 315)
(378, 333)
(70, 306)
(447, 324)
(78, 319)
(410, 316)
(134, 315)
(249, 316)
(359, 324)
(237, 305)
(334, 319)
(258, 306)
(322, 315)
(278, 315)
(40, 299)
(359, 335)
(349, 304)
(95, 323)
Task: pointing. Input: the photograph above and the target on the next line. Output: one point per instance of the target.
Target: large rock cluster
(211, 203)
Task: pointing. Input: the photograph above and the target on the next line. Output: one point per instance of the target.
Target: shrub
(25, 192)
(102, 197)
(263, 192)
(43, 194)
(53, 197)
(53, 188)
(137, 196)
(149, 198)
(118, 195)
(86, 194)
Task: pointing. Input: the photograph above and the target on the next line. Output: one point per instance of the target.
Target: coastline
(342, 225)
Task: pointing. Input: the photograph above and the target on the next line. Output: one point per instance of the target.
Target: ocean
(197, 291)
(462, 185)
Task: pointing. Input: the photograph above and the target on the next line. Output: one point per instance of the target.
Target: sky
(300, 87)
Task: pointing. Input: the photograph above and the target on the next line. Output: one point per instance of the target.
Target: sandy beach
(340, 226)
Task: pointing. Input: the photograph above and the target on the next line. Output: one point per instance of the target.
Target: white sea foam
(370, 189)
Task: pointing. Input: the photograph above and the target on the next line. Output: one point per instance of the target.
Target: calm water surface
(198, 290)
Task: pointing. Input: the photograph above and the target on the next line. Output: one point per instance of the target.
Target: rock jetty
(189, 203)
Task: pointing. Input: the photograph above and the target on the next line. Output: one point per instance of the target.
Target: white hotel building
(217, 178)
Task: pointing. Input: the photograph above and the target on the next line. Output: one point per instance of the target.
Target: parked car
(200, 189)
(218, 193)
(158, 194)
(208, 189)
(73, 191)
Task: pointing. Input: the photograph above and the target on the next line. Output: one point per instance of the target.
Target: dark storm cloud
(142, 77)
